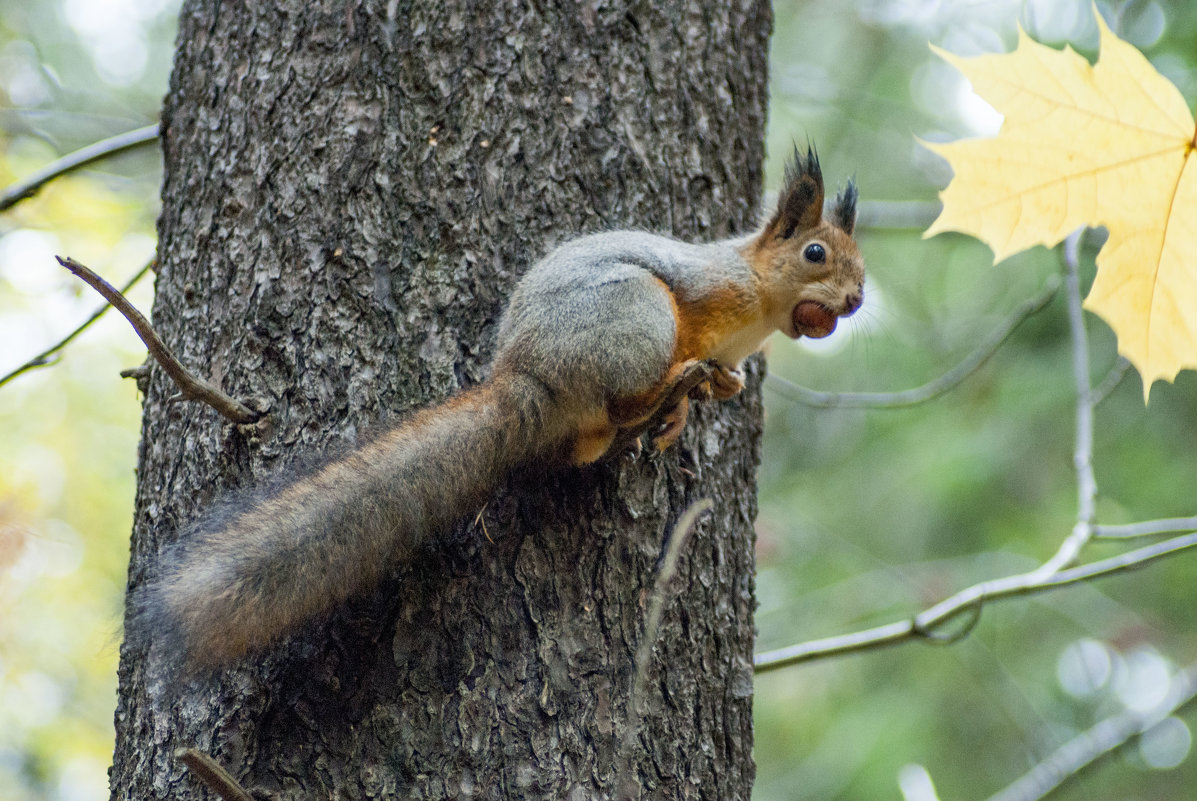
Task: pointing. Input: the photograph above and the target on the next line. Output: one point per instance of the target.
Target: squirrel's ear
(800, 205)
(843, 213)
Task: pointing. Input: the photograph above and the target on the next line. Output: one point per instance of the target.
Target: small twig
(1082, 458)
(1111, 381)
(139, 372)
(29, 187)
(932, 389)
(898, 214)
(970, 599)
(1147, 528)
(1107, 736)
(42, 359)
(216, 778)
(625, 786)
(480, 520)
(190, 386)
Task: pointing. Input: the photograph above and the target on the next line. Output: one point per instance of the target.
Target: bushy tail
(252, 573)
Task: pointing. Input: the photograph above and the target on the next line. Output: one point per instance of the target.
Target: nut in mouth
(812, 319)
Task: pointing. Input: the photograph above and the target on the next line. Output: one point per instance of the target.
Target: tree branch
(1113, 379)
(43, 359)
(1107, 736)
(1082, 458)
(97, 151)
(932, 389)
(1145, 529)
(924, 625)
(190, 386)
(897, 214)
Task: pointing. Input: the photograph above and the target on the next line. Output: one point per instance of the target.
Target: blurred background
(867, 516)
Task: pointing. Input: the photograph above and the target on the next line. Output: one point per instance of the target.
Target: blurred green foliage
(867, 516)
(71, 72)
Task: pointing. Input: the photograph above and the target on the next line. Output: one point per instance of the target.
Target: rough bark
(350, 191)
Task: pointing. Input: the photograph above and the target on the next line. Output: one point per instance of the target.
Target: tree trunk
(350, 192)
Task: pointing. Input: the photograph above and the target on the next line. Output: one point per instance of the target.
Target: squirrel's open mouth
(813, 319)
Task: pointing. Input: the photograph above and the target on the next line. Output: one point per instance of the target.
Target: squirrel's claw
(725, 382)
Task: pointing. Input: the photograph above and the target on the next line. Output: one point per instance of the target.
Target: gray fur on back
(563, 333)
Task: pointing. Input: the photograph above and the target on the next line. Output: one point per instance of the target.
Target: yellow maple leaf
(1103, 144)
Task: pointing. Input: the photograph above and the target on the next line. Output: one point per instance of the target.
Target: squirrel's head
(810, 269)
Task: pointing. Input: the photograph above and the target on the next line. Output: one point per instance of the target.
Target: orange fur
(596, 432)
(705, 322)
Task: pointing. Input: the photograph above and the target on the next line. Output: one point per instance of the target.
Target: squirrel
(609, 333)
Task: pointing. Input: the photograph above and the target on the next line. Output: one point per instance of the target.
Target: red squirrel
(596, 341)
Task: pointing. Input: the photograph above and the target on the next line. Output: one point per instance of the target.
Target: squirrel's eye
(815, 253)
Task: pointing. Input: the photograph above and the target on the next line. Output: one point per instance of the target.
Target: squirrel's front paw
(726, 382)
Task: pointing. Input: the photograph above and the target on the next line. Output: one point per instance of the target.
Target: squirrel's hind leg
(665, 407)
(595, 436)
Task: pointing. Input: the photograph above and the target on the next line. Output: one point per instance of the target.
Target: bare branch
(932, 389)
(1147, 528)
(214, 777)
(43, 359)
(1082, 458)
(625, 788)
(190, 386)
(925, 625)
(1107, 736)
(897, 214)
(1111, 381)
(97, 151)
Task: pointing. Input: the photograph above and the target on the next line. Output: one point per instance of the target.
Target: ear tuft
(843, 213)
(798, 166)
(800, 205)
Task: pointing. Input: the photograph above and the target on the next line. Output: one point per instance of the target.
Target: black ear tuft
(843, 214)
(800, 205)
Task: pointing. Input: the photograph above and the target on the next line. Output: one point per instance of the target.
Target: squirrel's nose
(852, 303)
